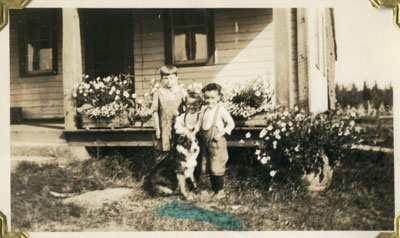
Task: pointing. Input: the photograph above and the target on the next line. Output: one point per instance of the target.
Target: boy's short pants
(214, 153)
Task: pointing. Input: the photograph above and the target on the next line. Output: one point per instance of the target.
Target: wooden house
(52, 48)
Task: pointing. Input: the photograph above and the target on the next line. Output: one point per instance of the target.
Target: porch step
(56, 150)
(40, 160)
(44, 136)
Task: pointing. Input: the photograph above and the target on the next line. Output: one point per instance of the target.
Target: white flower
(283, 124)
(346, 133)
(118, 91)
(91, 90)
(270, 128)
(275, 144)
(241, 141)
(248, 135)
(263, 132)
(140, 101)
(85, 94)
(285, 113)
(264, 160)
(113, 88)
(257, 93)
(110, 93)
(277, 131)
(86, 76)
(353, 114)
(283, 129)
(278, 137)
(146, 94)
(267, 138)
(116, 97)
(256, 143)
(297, 148)
(257, 152)
(352, 123)
(115, 79)
(290, 123)
(74, 95)
(133, 95)
(272, 173)
(126, 94)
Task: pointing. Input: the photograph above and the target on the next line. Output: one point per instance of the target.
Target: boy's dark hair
(212, 87)
(168, 69)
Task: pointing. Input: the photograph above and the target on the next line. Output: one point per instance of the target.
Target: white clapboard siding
(39, 97)
(243, 48)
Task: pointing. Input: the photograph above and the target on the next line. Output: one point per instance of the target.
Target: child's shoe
(220, 194)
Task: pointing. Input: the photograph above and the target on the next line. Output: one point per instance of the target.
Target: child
(188, 122)
(167, 103)
(216, 123)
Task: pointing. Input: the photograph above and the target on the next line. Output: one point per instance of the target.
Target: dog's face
(187, 146)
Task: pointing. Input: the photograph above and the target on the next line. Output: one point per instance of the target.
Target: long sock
(213, 180)
(219, 183)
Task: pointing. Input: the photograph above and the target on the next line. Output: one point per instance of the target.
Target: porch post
(284, 62)
(72, 62)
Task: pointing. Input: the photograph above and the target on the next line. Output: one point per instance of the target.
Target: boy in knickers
(216, 122)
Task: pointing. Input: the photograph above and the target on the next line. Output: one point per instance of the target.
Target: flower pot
(313, 181)
(113, 122)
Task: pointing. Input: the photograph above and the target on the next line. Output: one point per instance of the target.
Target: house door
(108, 41)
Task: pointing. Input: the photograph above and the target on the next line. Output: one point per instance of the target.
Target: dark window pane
(198, 17)
(31, 27)
(181, 17)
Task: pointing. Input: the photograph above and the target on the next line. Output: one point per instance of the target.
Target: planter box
(257, 120)
(143, 123)
(114, 122)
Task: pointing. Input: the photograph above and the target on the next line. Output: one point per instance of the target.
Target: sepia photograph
(201, 119)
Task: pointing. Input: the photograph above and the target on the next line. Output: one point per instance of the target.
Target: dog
(175, 168)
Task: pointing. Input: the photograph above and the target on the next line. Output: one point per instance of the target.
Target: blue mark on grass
(183, 210)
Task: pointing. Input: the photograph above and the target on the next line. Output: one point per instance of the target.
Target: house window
(38, 42)
(189, 37)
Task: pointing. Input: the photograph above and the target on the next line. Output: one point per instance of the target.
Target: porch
(54, 133)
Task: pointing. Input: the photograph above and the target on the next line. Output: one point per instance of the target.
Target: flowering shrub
(295, 141)
(104, 97)
(246, 97)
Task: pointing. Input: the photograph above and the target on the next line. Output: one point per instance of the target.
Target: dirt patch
(97, 199)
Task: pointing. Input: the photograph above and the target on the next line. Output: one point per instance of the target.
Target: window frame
(24, 16)
(169, 43)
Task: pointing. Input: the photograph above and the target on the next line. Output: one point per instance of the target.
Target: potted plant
(247, 98)
(305, 147)
(104, 102)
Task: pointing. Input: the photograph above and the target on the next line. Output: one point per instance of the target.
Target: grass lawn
(361, 197)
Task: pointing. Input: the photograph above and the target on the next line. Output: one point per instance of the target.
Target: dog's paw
(189, 198)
